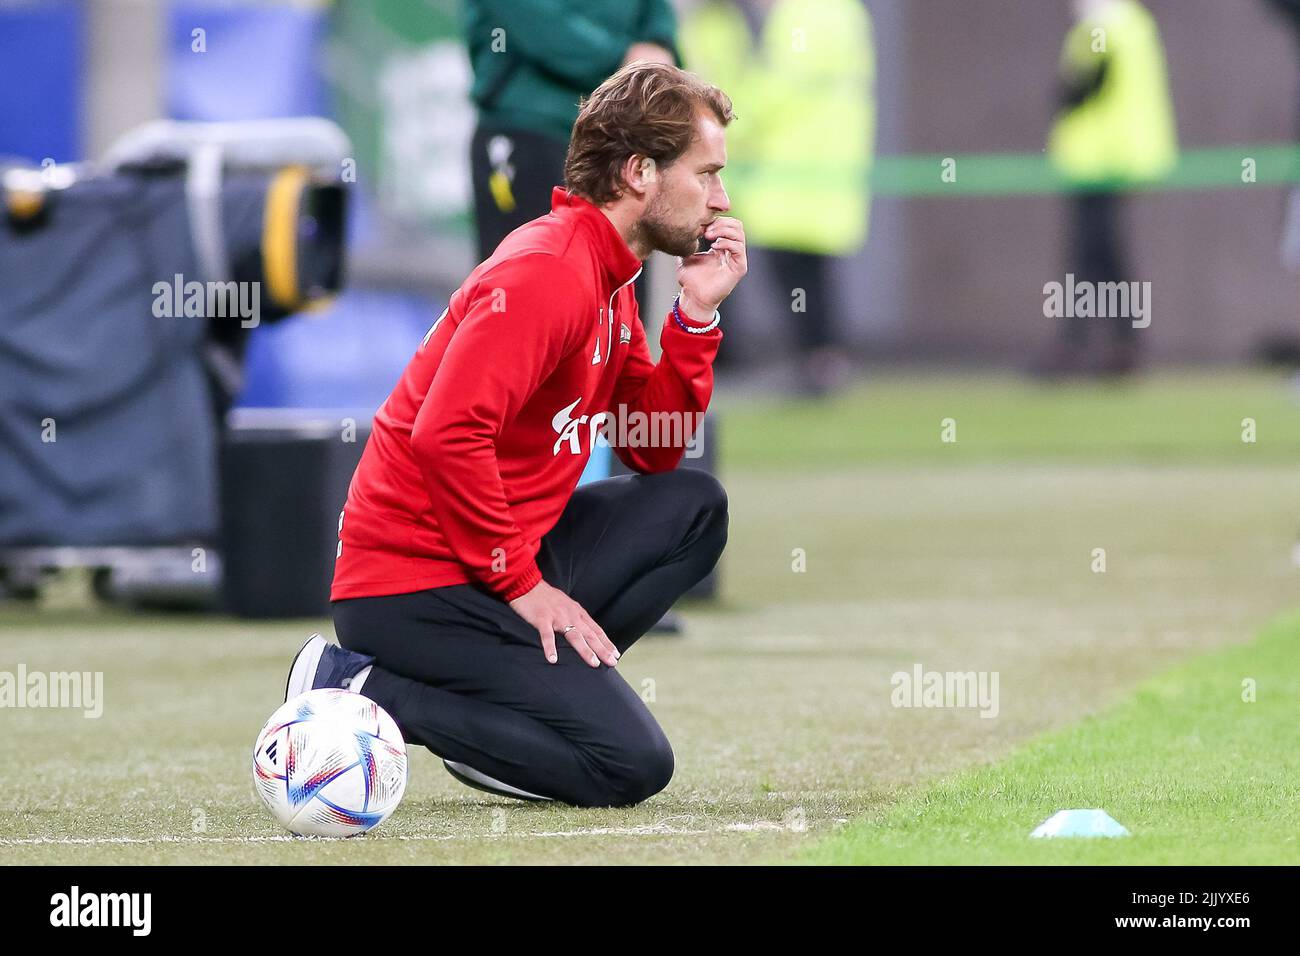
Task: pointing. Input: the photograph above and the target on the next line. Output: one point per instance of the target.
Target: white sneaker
(302, 673)
(481, 781)
(322, 664)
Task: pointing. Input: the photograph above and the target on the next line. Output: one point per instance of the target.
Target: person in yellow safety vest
(1115, 130)
(801, 152)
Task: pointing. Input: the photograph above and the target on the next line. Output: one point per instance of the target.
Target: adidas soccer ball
(330, 763)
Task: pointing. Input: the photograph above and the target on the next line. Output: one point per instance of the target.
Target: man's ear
(639, 172)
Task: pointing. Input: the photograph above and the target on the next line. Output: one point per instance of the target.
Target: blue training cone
(1080, 823)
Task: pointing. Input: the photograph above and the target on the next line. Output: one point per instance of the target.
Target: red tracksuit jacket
(475, 453)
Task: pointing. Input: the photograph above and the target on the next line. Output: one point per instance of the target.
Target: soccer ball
(330, 763)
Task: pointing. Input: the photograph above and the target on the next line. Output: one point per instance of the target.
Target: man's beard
(658, 233)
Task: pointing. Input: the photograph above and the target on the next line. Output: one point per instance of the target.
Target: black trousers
(815, 327)
(533, 165)
(1097, 254)
(465, 676)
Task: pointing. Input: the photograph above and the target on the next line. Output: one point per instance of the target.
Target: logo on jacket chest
(605, 330)
(570, 430)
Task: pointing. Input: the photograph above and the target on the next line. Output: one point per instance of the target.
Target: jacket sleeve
(680, 384)
(555, 35)
(516, 327)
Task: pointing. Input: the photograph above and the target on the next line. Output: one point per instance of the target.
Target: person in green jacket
(802, 152)
(1290, 248)
(533, 60)
(1114, 131)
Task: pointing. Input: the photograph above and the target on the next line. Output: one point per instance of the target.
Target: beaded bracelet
(694, 330)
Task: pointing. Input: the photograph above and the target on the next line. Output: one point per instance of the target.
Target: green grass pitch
(862, 545)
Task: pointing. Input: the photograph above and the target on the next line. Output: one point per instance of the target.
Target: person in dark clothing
(533, 60)
(1114, 131)
(1290, 245)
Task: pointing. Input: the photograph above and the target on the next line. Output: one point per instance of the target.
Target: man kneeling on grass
(464, 548)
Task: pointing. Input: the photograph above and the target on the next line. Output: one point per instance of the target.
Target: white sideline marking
(648, 829)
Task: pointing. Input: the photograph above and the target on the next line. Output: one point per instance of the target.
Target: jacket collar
(619, 262)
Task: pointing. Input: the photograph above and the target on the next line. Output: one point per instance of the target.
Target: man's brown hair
(645, 109)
